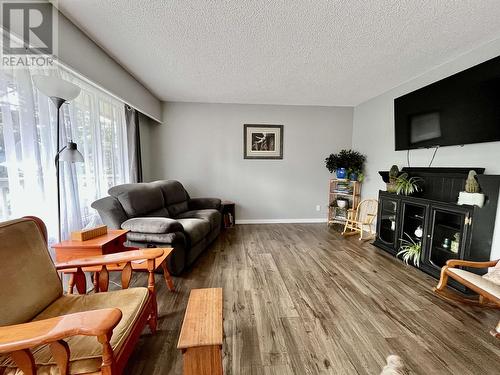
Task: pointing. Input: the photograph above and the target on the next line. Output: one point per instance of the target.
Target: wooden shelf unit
(336, 191)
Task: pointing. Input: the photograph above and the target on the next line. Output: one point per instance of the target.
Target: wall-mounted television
(461, 109)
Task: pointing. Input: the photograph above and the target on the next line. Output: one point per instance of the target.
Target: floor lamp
(60, 91)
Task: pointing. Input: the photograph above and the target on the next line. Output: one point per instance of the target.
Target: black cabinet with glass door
(414, 223)
(387, 223)
(444, 230)
(448, 237)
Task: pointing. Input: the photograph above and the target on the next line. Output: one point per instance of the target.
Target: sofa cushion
(177, 208)
(196, 229)
(143, 199)
(85, 350)
(214, 217)
(30, 281)
(152, 225)
(204, 203)
(175, 196)
(167, 238)
(477, 280)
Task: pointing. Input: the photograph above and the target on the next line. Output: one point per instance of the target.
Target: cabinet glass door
(447, 232)
(413, 222)
(387, 226)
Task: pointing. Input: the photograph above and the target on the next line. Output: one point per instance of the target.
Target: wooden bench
(201, 334)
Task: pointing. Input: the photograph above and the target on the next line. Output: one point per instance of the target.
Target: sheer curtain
(95, 121)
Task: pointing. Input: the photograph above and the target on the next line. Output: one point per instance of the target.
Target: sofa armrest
(111, 211)
(154, 225)
(204, 203)
(28, 335)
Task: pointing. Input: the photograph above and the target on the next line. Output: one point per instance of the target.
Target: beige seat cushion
(85, 350)
(479, 281)
(494, 274)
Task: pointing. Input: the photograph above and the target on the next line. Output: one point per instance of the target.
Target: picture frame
(262, 141)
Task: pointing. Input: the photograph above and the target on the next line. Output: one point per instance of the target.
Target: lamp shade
(55, 87)
(71, 154)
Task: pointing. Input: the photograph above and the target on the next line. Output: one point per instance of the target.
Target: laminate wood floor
(301, 299)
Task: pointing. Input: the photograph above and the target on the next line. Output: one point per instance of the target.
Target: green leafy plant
(408, 185)
(348, 159)
(410, 250)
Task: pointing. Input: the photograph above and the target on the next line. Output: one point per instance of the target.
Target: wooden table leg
(167, 277)
(80, 281)
(96, 282)
(71, 283)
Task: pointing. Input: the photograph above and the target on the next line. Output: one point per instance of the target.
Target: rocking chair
(360, 218)
(487, 286)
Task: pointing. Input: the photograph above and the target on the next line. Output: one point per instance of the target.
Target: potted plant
(472, 194)
(410, 250)
(406, 185)
(336, 163)
(393, 175)
(346, 161)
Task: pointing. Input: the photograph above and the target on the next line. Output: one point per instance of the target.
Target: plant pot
(341, 173)
(341, 203)
(353, 176)
(391, 187)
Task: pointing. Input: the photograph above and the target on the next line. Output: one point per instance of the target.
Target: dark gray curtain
(134, 144)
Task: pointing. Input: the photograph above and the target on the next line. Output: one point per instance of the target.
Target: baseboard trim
(281, 221)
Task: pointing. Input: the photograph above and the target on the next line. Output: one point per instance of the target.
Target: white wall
(373, 133)
(201, 145)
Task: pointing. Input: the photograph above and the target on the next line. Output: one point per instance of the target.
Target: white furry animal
(395, 366)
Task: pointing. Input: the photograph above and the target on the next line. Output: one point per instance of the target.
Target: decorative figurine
(419, 232)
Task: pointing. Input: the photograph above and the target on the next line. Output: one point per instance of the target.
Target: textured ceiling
(314, 52)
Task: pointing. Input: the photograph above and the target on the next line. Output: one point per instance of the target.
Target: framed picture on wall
(262, 141)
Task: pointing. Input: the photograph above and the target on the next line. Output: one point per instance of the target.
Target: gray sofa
(162, 214)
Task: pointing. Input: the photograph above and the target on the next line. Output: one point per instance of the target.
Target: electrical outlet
(318, 207)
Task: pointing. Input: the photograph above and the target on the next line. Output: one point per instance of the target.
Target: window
(94, 120)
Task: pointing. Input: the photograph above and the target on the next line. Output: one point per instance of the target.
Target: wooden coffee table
(110, 243)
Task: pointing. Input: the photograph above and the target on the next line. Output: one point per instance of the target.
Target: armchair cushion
(31, 282)
(214, 217)
(86, 351)
(152, 225)
(479, 281)
(493, 274)
(204, 203)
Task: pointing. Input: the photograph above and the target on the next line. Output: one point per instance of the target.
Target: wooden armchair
(487, 287)
(43, 331)
(361, 218)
